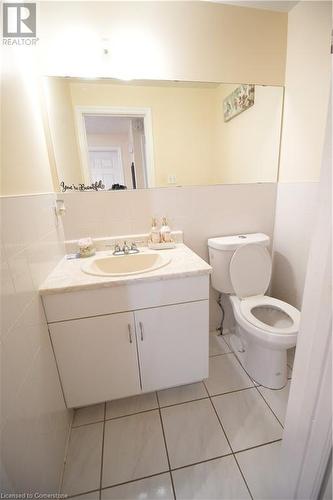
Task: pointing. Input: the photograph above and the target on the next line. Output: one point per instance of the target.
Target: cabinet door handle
(141, 329)
(130, 333)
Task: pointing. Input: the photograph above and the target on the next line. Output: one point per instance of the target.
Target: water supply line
(219, 301)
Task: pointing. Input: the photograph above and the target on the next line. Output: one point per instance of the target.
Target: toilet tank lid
(238, 240)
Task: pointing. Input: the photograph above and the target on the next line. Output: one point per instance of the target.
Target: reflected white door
(106, 165)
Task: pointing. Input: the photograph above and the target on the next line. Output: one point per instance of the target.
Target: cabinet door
(173, 344)
(97, 358)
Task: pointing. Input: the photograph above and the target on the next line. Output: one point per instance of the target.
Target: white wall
(201, 212)
(182, 40)
(24, 156)
(306, 105)
(34, 420)
(307, 88)
(296, 205)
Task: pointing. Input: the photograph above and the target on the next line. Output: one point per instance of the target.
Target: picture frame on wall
(241, 99)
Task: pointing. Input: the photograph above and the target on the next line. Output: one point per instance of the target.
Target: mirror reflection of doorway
(105, 164)
(116, 150)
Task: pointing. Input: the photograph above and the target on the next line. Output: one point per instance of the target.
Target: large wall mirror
(142, 134)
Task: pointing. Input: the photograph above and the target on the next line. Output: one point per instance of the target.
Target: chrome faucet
(125, 249)
(117, 249)
(134, 248)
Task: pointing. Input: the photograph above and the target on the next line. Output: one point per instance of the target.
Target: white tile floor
(214, 440)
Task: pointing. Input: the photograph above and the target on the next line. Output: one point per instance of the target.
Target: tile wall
(34, 420)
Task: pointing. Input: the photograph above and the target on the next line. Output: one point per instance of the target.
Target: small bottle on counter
(165, 231)
(154, 233)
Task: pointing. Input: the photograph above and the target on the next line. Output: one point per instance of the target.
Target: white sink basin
(124, 265)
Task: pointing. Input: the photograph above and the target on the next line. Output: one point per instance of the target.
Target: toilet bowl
(265, 327)
(261, 344)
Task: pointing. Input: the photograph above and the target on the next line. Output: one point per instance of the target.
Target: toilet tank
(221, 250)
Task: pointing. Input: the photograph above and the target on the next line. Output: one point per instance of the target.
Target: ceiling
(276, 5)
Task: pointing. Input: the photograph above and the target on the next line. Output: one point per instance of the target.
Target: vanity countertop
(68, 276)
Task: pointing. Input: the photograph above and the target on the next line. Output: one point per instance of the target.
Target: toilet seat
(250, 270)
(247, 306)
(250, 273)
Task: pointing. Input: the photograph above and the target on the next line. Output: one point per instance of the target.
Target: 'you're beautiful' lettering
(94, 186)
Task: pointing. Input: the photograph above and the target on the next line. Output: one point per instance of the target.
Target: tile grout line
(66, 453)
(232, 451)
(257, 389)
(231, 392)
(160, 473)
(241, 472)
(258, 446)
(219, 354)
(102, 457)
(132, 481)
(270, 408)
(254, 447)
(176, 468)
(183, 402)
(99, 421)
(77, 495)
(162, 407)
(166, 447)
(173, 404)
(130, 414)
(218, 457)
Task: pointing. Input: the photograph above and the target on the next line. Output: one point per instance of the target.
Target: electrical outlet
(171, 179)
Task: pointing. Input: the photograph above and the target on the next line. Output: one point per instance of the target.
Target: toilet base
(267, 367)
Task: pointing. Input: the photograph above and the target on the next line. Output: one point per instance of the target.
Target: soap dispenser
(165, 231)
(154, 233)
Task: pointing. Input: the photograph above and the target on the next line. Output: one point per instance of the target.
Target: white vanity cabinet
(172, 345)
(97, 358)
(114, 342)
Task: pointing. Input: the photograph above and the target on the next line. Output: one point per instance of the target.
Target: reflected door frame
(131, 112)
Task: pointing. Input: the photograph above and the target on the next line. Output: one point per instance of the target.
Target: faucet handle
(125, 247)
(117, 248)
(133, 246)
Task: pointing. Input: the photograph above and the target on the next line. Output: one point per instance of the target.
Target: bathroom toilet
(265, 327)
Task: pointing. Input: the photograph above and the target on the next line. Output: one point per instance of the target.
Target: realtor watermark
(19, 24)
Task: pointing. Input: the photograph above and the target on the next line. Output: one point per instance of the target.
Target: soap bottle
(165, 231)
(154, 233)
